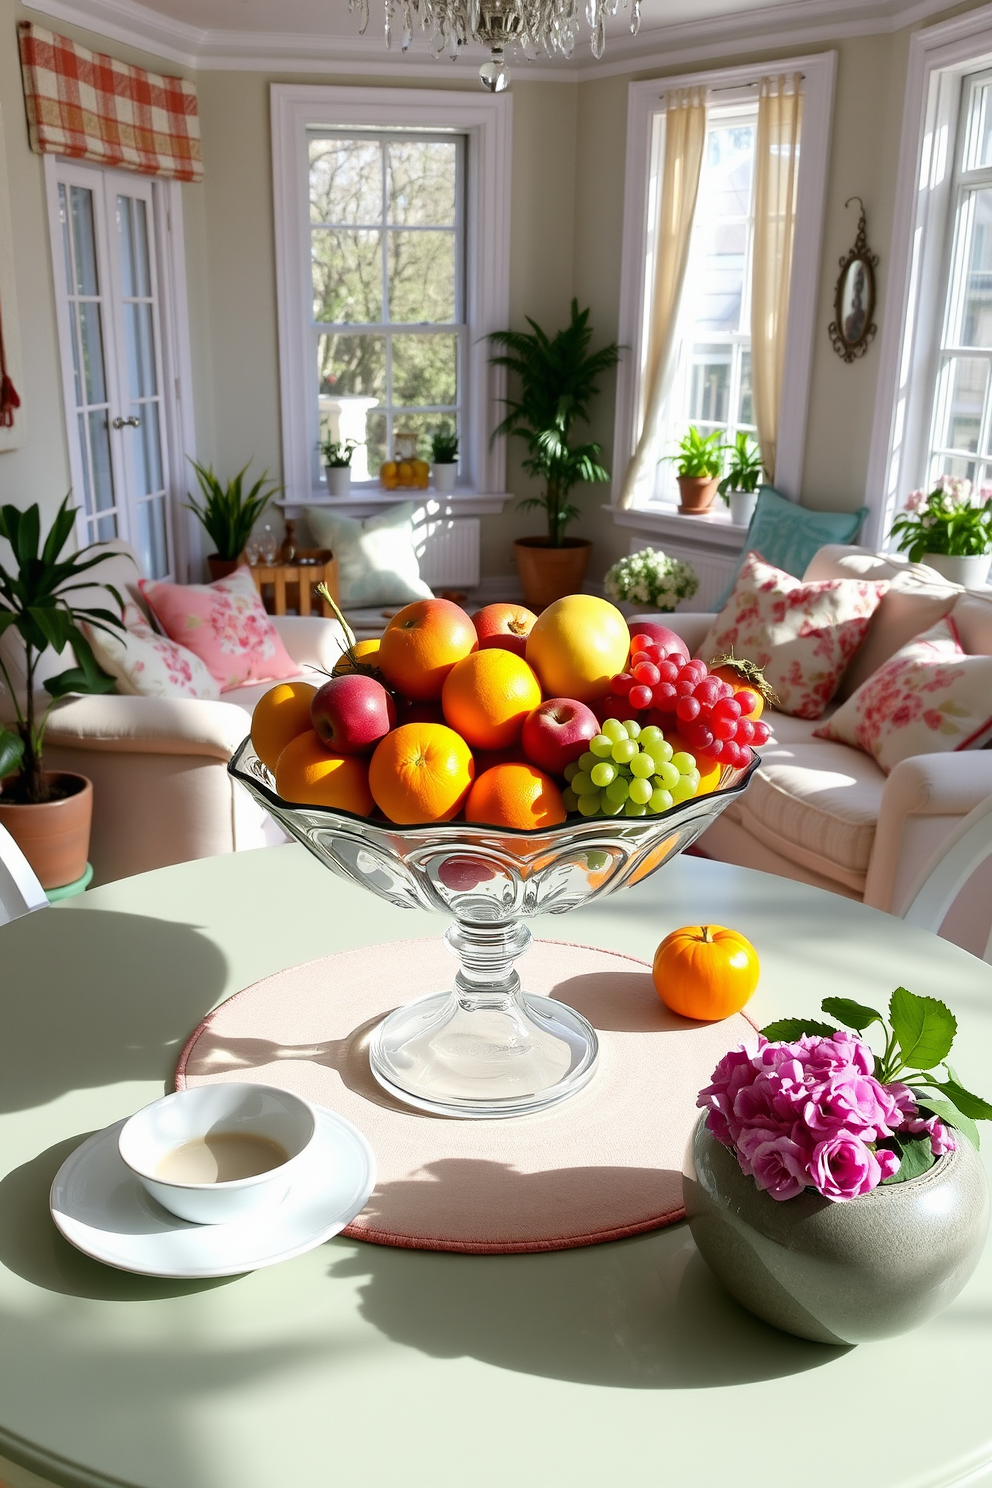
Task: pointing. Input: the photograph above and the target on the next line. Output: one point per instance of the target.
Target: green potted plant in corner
(948, 530)
(336, 454)
(698, 466)
(444, 458)
(557, 383)
(46, 812)
(739, 487)
(228, 512)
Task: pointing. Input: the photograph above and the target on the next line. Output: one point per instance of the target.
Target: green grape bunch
(629, 771)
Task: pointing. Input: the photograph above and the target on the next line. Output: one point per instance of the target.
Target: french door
(105, 236)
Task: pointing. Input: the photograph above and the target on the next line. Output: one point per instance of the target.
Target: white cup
(153, 1134)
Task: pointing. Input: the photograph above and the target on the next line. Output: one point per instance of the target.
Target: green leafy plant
(444, 446)
(36, 601)
(557, 383)
(947, 520)
(918, 1037)
(229, 512)
(337, 453)
(697, 454)
(744, 468)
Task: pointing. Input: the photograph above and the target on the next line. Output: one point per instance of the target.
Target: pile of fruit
(509, 719)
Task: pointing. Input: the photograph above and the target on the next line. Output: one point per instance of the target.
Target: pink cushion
(930, 698)
(225, 624)
(803, 634)
(146, 664)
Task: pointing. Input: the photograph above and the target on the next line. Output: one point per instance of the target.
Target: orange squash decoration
(743, 676)
(705, 972)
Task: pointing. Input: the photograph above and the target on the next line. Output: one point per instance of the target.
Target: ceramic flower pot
(696, 493)
(444, 476)
(54, 836)
(548, 573)
(219, 568)
(843, 1272)
(742, 504)
(971, 572)
(338, 480)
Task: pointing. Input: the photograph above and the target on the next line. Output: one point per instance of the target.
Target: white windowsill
(365, 500)
(712, 529)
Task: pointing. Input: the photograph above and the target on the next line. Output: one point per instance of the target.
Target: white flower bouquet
(650, 577)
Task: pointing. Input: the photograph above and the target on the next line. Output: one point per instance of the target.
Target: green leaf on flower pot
(950, 1115)
(785, 1030)
(924, 1028)
(971, 1105)
(852, 1014)
(11, 751)
(915, 1156)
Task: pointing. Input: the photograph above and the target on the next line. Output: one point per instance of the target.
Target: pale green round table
(358, 1364)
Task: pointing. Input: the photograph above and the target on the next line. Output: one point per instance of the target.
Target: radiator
(448, 551)
(713, 571)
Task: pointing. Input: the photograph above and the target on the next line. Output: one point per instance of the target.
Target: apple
(557, 732)
(350, 714)
(504, 625)
(661, 636)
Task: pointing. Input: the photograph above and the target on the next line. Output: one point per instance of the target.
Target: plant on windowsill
(47, 812)
(444, 457)
(337, 455)
(228, 512)
(948, 530)
(557, 383)
(650, 577)
(739, 486)
(698, 461)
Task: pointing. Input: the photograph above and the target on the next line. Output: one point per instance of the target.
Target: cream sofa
(162, 793)
(825, 813)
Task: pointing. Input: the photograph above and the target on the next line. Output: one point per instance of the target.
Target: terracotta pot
(697, 492)
(549, 573)
(55, 835)
(220, 567)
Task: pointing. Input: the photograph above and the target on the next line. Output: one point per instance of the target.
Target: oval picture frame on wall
(853, 327)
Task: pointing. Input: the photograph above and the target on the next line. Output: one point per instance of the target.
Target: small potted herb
(698, 467)
(739, 487)
(444, 457)
(949, 530)
(337, 455)
(228, 512)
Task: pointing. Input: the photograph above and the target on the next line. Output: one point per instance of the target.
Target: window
(392, 248)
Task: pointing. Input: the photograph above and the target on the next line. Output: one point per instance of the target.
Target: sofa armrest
(148, 725)
(691, 626)
(924, 799)
(310, 639)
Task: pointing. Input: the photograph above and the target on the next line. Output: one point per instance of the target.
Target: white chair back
(20, 891)
(949, 870)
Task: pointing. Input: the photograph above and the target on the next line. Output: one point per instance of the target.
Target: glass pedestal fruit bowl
(487, 1047)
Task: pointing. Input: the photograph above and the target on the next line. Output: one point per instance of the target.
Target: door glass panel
(66, 249)
(147, 453)
(103, 476)
(83, 242)
(140, 350)
(91, 336)
(132, 218)
(152, 546)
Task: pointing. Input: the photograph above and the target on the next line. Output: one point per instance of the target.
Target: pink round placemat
(604, 1164)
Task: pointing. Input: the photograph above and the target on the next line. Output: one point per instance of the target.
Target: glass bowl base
(517, 1055)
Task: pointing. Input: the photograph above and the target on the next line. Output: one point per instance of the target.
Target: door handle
(127, 423)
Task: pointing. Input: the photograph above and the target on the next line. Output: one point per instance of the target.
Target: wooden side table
(298, 581)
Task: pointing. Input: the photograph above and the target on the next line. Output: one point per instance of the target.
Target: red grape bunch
(662, 686)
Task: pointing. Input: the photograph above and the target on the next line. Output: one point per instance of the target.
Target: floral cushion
(147, 664)
(802, 634)
(225, 624)
(931, 697)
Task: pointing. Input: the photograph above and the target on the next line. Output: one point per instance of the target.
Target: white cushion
(146, 664)
(377, 562)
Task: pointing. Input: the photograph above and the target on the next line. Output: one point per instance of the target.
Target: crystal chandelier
(535, 26)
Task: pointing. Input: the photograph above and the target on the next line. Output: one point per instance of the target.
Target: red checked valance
(92, 107)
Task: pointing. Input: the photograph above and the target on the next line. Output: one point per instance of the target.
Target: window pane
(140, 351)
(745, 407)
(425, 370)
(106, 528)
(421, 179)
(421, 277)
(346, 181)
(709, 387)
(87, 282)
(730, 167)
(66, 250)
(375, 439)
(961, 399)
(980, 137)
(135, 270)
(421, 424)
(347, 276)
(976, 321)
(952, 465)
(721, 285)
(352, 366)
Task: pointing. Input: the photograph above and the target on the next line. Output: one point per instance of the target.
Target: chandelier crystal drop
(534, 26)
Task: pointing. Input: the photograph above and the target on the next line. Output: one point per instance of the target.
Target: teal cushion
(377, 562)
(787, 535)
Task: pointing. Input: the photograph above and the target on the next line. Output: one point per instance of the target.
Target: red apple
(503, 625)
(661, 636)
(352, 713)
(557, 732)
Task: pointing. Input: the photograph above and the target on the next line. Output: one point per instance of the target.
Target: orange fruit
(515, 796)
(487, 695)
(705, 971)
(576, 645)
(280, 715)
(710, 771)
(309, 775)
(366, 652)
(421, 644)
(421, 772)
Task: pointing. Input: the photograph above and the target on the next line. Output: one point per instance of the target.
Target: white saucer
(103, 1210)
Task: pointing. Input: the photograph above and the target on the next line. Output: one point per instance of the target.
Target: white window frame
(486, 123)
(645, 103)
(940, 58)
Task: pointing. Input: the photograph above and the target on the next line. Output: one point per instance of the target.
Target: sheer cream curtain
(776, 181)
(685, 136)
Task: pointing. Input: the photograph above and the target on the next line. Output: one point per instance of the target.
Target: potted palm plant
(336, 454)
(739, 487)
(698, 466)
(228, 512)
(48, 813)
(557, 383)
(444, 457)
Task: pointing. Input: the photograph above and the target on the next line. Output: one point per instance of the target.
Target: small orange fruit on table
(705, 972)
(421, 772)
(421, 644)
(519, 796)
(280, 714)
(487, 696)
(308, 774)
